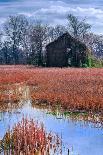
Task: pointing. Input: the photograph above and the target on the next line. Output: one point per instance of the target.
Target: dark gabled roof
(56, 40)
(68, 36)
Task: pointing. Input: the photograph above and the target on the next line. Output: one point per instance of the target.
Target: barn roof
(67, 36)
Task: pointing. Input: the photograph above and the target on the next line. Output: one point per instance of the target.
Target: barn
(66, 51)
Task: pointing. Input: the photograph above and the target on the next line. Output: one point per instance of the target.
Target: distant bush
(92, 61)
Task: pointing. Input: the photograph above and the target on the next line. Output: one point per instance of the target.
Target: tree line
(23, 41)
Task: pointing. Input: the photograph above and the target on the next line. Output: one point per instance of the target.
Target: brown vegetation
(75, 89)
(29, 138)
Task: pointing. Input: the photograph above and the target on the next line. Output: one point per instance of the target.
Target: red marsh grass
(30, 138)
(75, 89)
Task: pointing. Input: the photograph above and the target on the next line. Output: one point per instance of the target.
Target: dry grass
(75, 89)
(30, 138)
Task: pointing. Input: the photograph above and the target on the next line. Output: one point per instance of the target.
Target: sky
(55, 11)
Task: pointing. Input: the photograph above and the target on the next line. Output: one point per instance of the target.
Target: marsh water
(80, 137)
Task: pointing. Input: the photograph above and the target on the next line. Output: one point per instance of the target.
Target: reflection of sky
(85, 140)
(55, 11)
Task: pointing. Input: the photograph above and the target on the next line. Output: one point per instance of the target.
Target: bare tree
(38, 38)
(77, 28)
(15, 30)
(95, 43)
(55, 32)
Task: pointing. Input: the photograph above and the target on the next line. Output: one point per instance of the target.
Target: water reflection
(81, 137)
(95, 120)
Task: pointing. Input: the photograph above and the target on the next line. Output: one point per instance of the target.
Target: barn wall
(57, 58)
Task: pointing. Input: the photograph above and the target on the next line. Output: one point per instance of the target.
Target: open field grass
(74, 89)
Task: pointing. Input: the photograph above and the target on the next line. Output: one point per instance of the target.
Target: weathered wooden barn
(66, 51)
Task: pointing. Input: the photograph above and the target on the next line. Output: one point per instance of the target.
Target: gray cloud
(55, 12)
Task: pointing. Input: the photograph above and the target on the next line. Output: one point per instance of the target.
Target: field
(74, 89)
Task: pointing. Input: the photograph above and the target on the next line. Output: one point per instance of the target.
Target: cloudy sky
(55, 11)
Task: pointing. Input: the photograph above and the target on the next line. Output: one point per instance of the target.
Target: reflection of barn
(65, 51)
